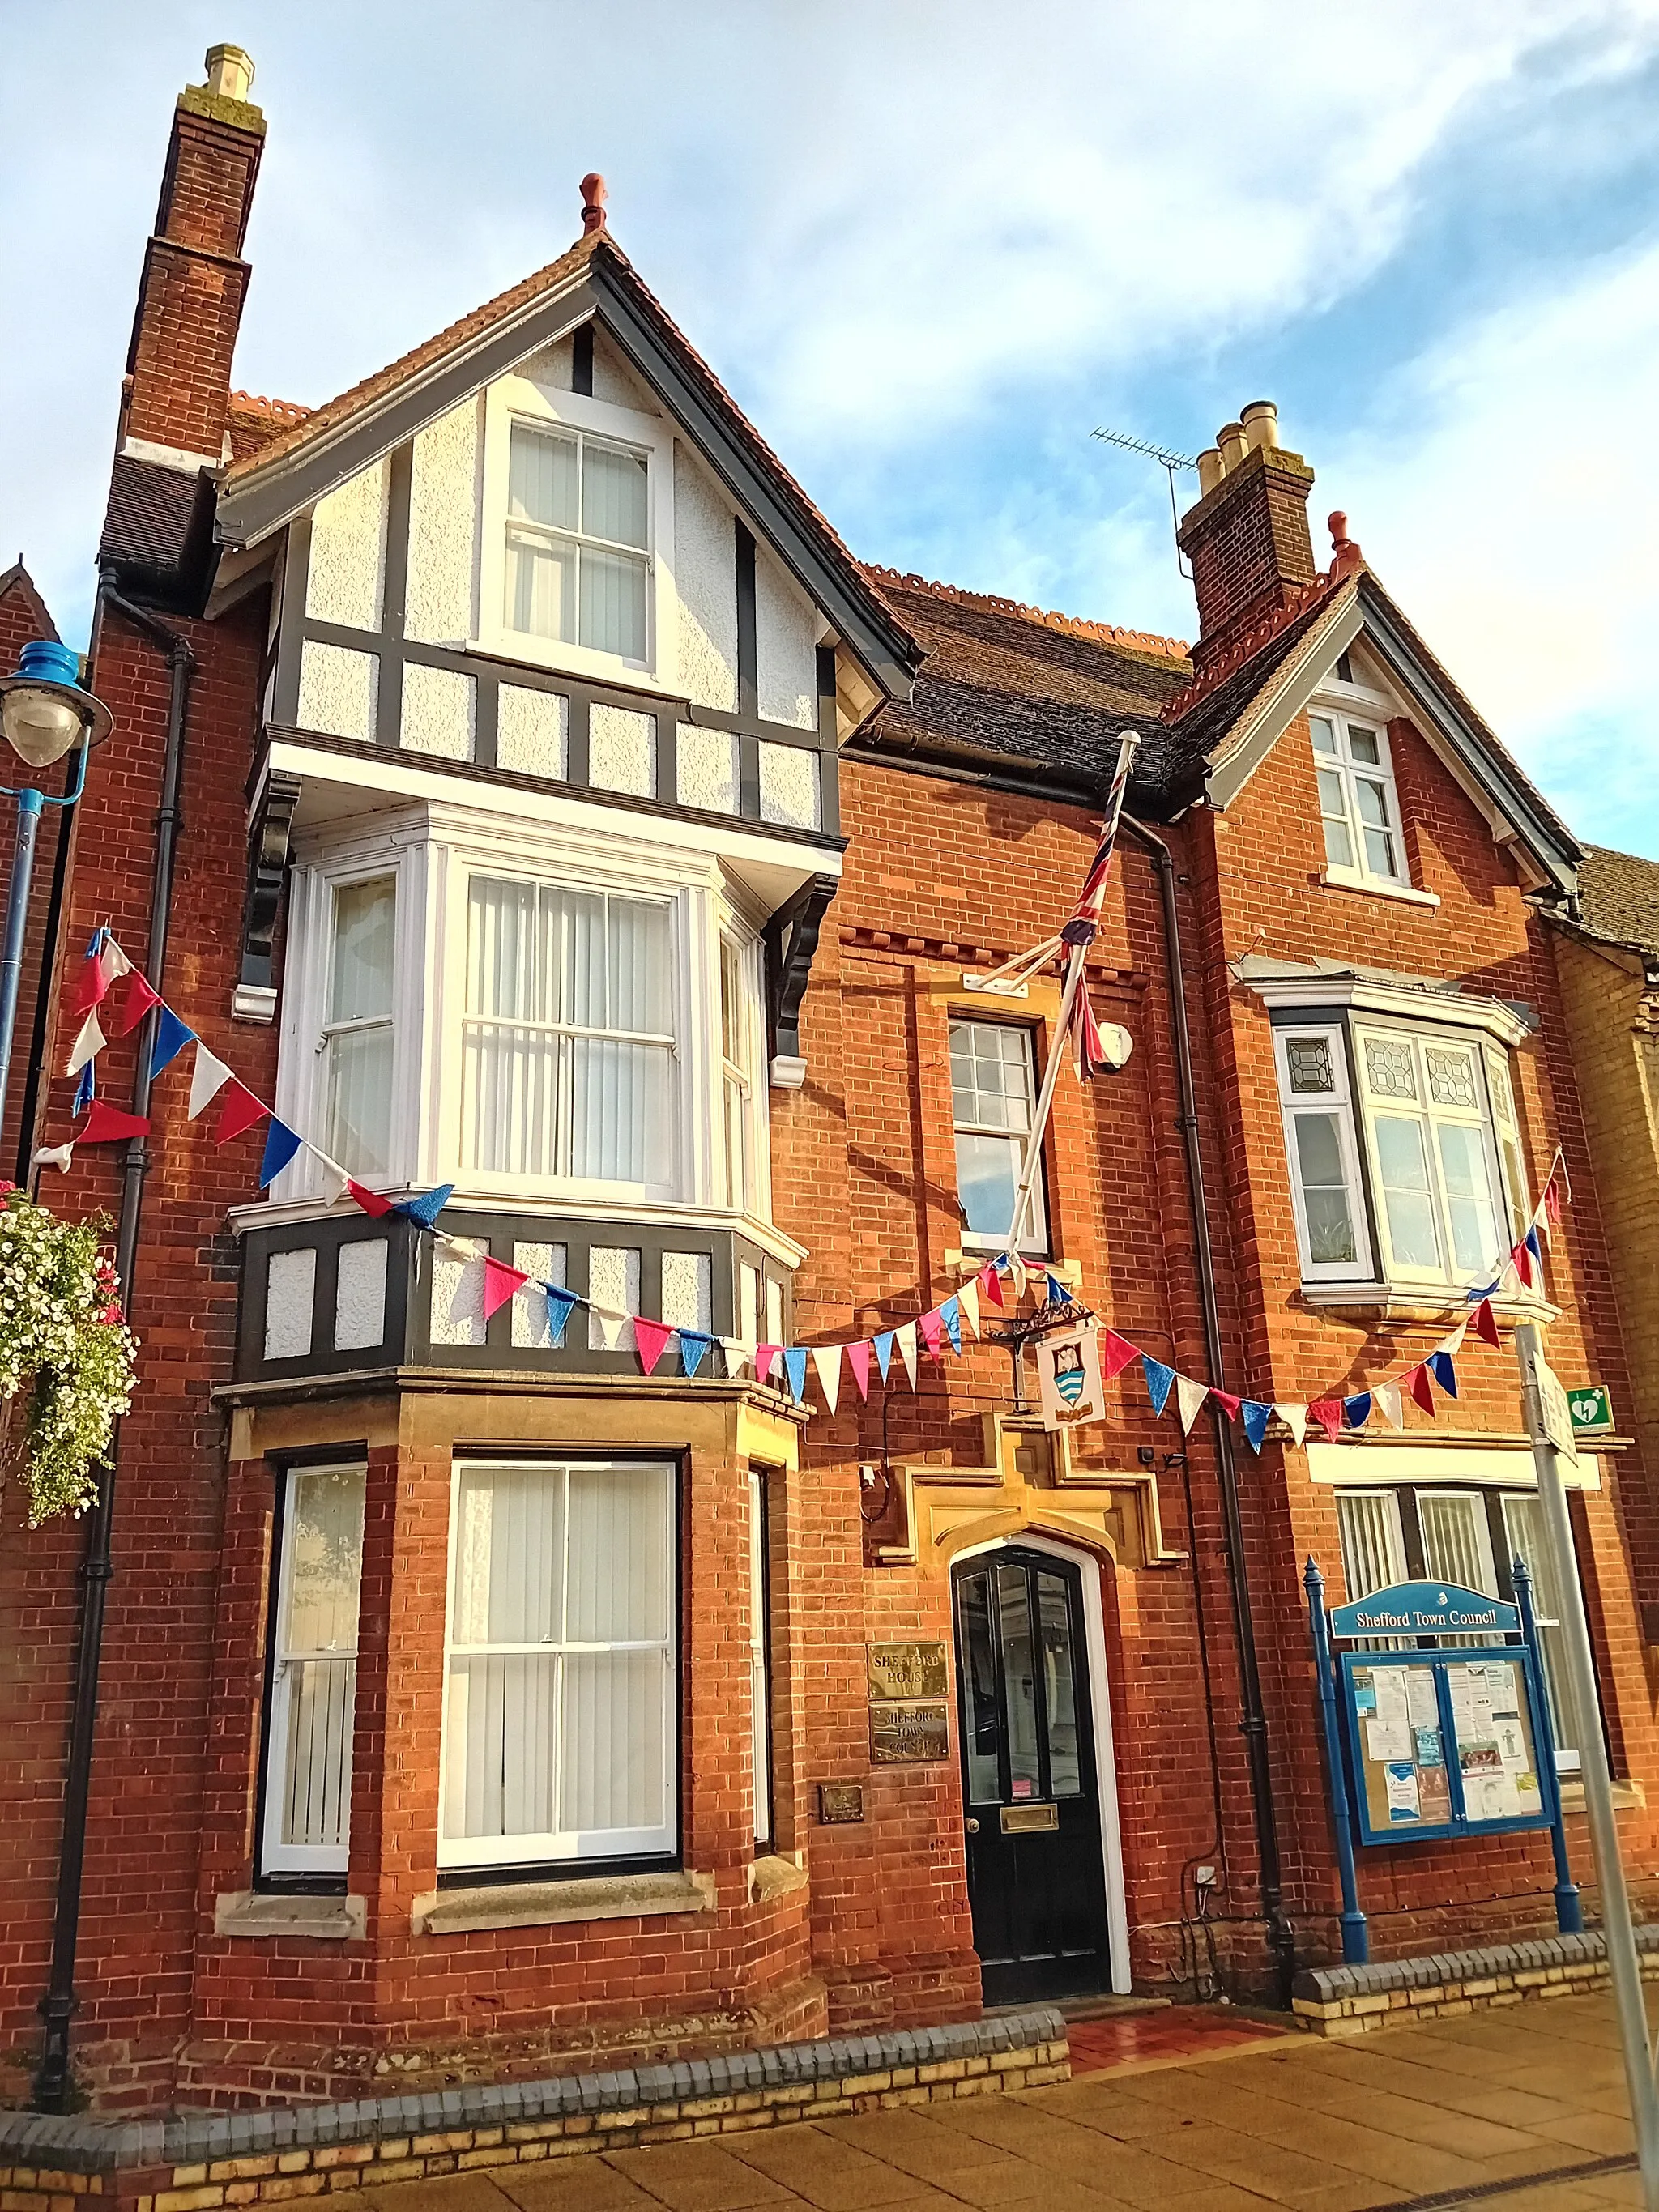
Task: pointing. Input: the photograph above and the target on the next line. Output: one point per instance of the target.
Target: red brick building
(565, 816)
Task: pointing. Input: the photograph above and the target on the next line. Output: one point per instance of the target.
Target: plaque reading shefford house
(906, 1670)
(902, 1730)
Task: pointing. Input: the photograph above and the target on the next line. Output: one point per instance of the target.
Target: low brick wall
(1395, 1992)
(199, 2162)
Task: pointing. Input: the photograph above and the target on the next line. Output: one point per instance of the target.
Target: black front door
(1036, 1880)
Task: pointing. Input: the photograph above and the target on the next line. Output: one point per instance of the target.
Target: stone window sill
(777, 1877)
(553, 1904)
(1627, 1796)
(1339, 879)
(1416, 1301)
(247, 1913)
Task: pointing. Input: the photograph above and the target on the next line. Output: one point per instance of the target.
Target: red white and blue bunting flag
(1002, 1281)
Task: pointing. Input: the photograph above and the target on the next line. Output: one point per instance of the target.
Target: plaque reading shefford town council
(908, 1717)
(901, 1733)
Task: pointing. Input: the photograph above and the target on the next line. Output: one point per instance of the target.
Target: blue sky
(930, 246)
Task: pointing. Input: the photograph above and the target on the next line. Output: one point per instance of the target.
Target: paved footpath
(1495, 2104)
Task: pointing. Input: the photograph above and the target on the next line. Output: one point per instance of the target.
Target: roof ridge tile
(1078, 626)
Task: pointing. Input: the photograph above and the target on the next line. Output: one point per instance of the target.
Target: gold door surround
(1029, 1482)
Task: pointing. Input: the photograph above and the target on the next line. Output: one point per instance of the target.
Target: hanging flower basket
(64, 1347)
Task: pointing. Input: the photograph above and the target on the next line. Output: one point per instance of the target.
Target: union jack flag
(1085, 924)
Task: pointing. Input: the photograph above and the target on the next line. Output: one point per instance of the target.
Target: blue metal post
(29, 804)
(1568, 1906)
(1356, 1940)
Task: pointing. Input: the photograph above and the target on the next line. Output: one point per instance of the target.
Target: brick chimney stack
(194, 281)
(1247, 536)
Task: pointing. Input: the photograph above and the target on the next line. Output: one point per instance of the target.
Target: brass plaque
(906, 1670)
(901, 1732)
(839, 1802)
(1029, 1819)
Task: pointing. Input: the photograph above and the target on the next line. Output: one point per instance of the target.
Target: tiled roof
(594, 246)
(252, 422)
(1014, 683)
(1619, 898)
(362, 394)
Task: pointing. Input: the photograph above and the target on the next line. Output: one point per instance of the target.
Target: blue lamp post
(43, 711)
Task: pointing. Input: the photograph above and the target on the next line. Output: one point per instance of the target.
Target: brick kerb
(74, 2145)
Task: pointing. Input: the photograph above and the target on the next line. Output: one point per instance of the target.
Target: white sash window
(314, 1676)
(560, 1736)
(1359, 807)
(994, 1092)
(569, 1045)
(358, 1029)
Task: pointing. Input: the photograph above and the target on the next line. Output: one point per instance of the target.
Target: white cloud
(1508, 500)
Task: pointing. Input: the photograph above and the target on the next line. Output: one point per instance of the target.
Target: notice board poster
(1491, 1727)
(1442, 1743)
(1402, 1754)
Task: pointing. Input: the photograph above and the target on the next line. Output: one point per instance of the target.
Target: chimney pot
(1260, 423)
(1209, 471)
(594, 197)
(1230, 439)
(229, 72)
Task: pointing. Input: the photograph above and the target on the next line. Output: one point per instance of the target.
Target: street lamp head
(43, 709)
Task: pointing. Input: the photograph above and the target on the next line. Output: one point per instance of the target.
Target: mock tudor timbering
(570, 820)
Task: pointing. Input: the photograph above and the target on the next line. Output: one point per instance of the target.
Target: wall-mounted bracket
(255, 998)
(792, 938)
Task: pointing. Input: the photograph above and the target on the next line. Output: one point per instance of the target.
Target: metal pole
(1623, 1966)
(1568, 1906)
(1355, 1936)
(29, 804)
(1127, 745)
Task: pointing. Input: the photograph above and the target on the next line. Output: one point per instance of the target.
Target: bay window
(560, 1728)
(578, 537)
(1470, 1537)
(1420, 1121)
(313, 1673)
(357, 1028)
(568, 1043)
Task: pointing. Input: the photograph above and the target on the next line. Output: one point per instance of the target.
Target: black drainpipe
(53, 2085)
(1281, 1937)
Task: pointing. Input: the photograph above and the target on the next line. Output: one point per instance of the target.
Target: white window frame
(1429, 1115)
(1294, 1106)
(1397, 1537)
(740, 1078)
(518, 397)
(1035, 1239)
(330, 1028)
(432, 851)
(1345, 714)
(1429, 1494)
(567, 1847)
(276, 1856)
(676, 1153)
(760, 1667)
(302, 1066)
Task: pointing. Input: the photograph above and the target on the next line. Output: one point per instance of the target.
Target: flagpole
(1126, 743)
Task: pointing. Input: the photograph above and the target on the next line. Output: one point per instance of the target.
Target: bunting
(549, 1306)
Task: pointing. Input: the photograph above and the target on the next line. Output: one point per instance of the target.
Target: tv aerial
(1168, 459)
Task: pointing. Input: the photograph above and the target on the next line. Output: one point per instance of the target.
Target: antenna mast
(1167, 460)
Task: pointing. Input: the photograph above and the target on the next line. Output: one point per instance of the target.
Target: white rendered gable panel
(348, 552)
(786, 646)
(444, 488)
(706, 573)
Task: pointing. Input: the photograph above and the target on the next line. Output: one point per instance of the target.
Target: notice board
(1446, 1743)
